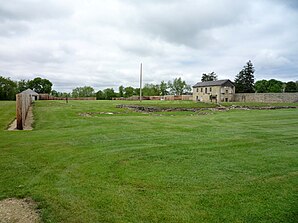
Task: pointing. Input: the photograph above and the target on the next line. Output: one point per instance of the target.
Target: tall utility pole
(141, 77)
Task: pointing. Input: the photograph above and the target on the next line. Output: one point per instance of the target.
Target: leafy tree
(291, 87)
(151, 90)
(163, 88)
(60, 94)
(178, 87)
(100, 95)
(128, 92)
(121, 91)
(85, 91)
(244, 81)
(275, 86)
(109, 93)
(40, 85)
(8, 89)
(261, 86)
(22, 85)
(209, 77)
(136, 91)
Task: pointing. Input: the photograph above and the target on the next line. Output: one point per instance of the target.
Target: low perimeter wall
(50, 97)
(166, 98)
(266, 97)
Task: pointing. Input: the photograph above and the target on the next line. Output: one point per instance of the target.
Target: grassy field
(232, 166)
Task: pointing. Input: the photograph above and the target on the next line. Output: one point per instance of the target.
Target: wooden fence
(23, 102)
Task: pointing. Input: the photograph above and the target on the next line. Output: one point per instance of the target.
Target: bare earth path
(14, 210)
(28, 122)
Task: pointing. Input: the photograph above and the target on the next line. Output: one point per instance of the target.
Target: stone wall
(266, 97)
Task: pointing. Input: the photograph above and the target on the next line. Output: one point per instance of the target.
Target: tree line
(244, 83)
(9, 89)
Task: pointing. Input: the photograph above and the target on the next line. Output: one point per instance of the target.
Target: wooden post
(141, 74)
(19, 111)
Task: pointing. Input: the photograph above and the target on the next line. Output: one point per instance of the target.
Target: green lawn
(232, 166)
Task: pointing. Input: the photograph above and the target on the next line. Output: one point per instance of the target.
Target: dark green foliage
(151, 90)
(8, 89)
(163, 88)
(244, 81)
(136, 91)
(209, 77)
(275, 86)
(60, 94)
(100, 95)
(291, 86)
(85, 91)
(22, 85)
(178, 86)
(271, 86)
(261, 86)
(109, 93)
(121, 91)
(106, 94)
(40, 85)
(128, 92)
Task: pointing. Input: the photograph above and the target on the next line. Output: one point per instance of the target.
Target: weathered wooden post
(19, 111)
(141, 79)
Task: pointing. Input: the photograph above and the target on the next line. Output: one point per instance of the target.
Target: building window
(210, 89)
(205, 90)
(197, 89)
(201, 89)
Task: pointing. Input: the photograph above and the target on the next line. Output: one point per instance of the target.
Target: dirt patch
(14, 210)
(28, 122)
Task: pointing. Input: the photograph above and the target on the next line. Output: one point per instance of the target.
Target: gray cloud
(101, 43)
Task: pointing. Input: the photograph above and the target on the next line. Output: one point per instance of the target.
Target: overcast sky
(101, 43)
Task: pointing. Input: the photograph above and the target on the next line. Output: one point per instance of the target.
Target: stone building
(214, 91)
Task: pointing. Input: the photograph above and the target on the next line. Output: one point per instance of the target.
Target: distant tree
(163, 88)
(60, 94)
(244, 81)
(291, 87)
(151, 90)
(40, 85)
(261, 86)
(100, 95)
(178, 87)
(275, 86)
(136, 91)
(128, 92)
(8, 89)
(109, 93)
(121, 91)
(209, 77)
(85, 91)
(55, 93)
(22, 85)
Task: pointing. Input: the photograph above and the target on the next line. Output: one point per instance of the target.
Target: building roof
(213, 83)
(29, 91)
